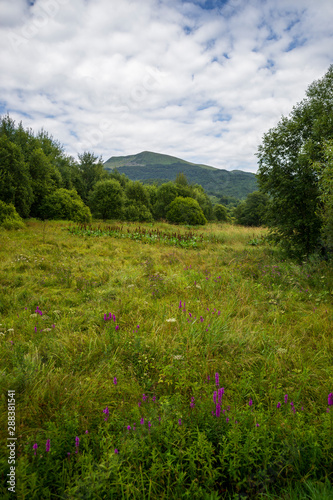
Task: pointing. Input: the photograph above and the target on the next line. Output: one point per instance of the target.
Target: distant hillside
(148, 165)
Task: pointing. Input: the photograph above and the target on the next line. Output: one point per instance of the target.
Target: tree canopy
(288, 169)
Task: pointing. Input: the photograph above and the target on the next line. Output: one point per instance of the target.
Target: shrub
(107, 200)
(185, 211)
(65, 204)
(137, 212)
(9, 218)
(220, 213)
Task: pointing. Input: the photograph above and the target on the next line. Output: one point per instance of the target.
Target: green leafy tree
(136, 192)
(107, 200)
(220, 213)
(64, 204)
(252, 211)
(138, 212)
(91, 171)
(286, 171)
(15, 179)
(166, 193)
(325, 170)
(185, 211)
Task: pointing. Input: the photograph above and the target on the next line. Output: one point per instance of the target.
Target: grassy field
(164, 362)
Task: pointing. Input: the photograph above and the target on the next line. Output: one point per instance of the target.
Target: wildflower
(214, 396)
(192, 404)
(35, 446)
(220, 393)
(106, 411)
(201, 319)
(105, 317)
(250, 402)
(48, 445)
(144, 397)
(116, 451)
(180, 304)
(138, 326)
(159, 418)
(86, 431)
(53, 326)
(35, 328)
(77, 443)
(217, 379)
(153, 399)
(286, 398)
(68, 453)
(180, 421)
(171, 320)
(149, 424)
(115, 380)
(114, 318)
(257, 425)
(227, 419)
(139, 404)
(128, 427)
(330, 399)
(278, 405)
(117, 328)
(142, 421)
(218, 410)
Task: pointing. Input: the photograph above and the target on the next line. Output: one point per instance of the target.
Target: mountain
(148, 166)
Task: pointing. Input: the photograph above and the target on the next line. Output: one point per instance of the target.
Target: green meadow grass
(112, 343)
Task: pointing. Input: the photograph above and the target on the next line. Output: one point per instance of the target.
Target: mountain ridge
(150, 166)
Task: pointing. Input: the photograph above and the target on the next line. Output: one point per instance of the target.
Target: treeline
(41, 181)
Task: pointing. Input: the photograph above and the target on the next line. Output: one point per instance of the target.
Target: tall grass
(112, 346)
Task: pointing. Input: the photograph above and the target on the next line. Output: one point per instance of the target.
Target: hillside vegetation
(148, 165)
(194, 365)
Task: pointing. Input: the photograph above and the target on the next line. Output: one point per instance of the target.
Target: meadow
(160, 362)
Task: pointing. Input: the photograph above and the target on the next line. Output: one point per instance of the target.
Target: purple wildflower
(220, 394)
(180, 304)
(257, 425)
(214, 396)
(142, 421)
(330, 399)
(77, 443)
(149, 424)
(35, 446)
(115, 380)
(128, 427)
(35, 328)
(217, 379)
(117, 328)
(278, 405)
(105, 317)
(106, 411)
(116, 451)
(48, 446)
(153, 399)
(250, 402)
(86, 431)
(218, 410)
(227, 419)
(286, 398)
(180, 421)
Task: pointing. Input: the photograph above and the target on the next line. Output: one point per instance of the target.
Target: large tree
(287, 173)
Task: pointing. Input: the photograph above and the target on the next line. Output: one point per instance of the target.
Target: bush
(9, 218)
(220, 213)
(107, 200)
(137, 212)
(185, 211)
(65, 204)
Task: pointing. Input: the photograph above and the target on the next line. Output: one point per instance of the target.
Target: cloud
(202, 80)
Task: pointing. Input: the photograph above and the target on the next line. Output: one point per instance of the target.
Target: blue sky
(201, 80)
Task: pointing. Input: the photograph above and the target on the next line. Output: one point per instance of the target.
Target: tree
(287, 158)
(107, 200)
(15, 179)
(252, 211)
(220, 213)
(64, 204)
(326, 193)
(166, 193)
(185, 211)
(91, 170)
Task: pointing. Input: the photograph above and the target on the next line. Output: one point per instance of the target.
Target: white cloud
(123, 77)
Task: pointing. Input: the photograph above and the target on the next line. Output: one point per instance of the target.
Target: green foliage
(252, 211)
(107, 200)
(221, 213)
(325, 170)
(64, 204)
(137, 212)
(185, 211)
(286, 172)
(15, 179)
(166, 193)
(9, 218)
(91, 171)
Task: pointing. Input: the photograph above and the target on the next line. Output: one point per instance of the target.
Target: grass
(111, 345)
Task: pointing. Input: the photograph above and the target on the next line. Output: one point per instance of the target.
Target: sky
(200, 80)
